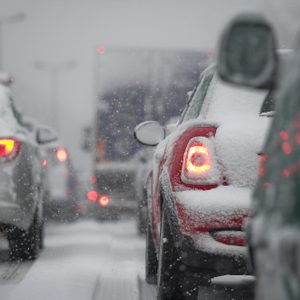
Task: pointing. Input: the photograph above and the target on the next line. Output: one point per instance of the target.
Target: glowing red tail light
(103, 200)
(61, 154)
(92, 196)
(9, 148)
(198, 160)
(200, 165)
(44, 163)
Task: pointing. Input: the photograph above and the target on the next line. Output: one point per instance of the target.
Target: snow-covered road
(87, 260)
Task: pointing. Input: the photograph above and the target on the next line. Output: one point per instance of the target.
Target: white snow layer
(221, 201)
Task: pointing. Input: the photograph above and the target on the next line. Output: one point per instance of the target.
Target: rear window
(194, 106)
(268, 105)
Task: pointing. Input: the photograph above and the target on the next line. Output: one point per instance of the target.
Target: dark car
(273, 230)
(112, 192)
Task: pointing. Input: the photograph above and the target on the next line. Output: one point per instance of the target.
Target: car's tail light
(92, 196)
(61, 154)
(234, 238)
(199, 164)
(9, 148)
(103, 200)
(44, 163)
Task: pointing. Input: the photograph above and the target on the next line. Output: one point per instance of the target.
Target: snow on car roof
(225, 101)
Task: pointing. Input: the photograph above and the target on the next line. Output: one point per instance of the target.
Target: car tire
(25, 245)
(168, 265)
(151, 262)
(175, 280)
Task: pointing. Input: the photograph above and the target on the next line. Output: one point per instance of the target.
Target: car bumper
(193, 215)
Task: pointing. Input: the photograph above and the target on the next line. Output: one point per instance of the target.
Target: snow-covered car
(112, 192)
(21, 180)
(62, 189)
(273, 230)
(202, 186)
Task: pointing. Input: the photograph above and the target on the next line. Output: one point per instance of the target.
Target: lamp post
(54, 70)
(18, 17)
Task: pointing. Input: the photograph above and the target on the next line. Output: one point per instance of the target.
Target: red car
(202, 177)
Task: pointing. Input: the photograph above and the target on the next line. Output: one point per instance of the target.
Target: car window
(194, 106)
(268, 105)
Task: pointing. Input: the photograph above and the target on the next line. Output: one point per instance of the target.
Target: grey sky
(58, 30)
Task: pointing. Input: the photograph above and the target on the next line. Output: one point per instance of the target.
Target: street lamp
(18, 17)
(54, 70)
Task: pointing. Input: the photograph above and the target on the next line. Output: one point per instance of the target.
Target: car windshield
(149, 150)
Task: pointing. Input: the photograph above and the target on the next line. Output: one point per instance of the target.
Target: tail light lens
(104, 200)
(61, 154)
(9, 148)
(92, 196)
(200, 165)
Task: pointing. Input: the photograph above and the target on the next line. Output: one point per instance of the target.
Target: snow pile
(219, 203)
(208, 244)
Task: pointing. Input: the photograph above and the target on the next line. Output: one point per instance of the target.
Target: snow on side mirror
(149, 133)
(45, 135)
(247, 53)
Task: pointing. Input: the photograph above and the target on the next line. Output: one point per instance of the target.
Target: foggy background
(65, 34)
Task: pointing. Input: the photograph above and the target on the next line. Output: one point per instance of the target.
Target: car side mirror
(248, 53)
(45, 135)
(149, 133)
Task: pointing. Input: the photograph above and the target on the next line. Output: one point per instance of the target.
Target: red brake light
(198, 160)
(104, 200)
(92, 196)
(44, 163)
(9, 148)
(200, 165)
(61, 154)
